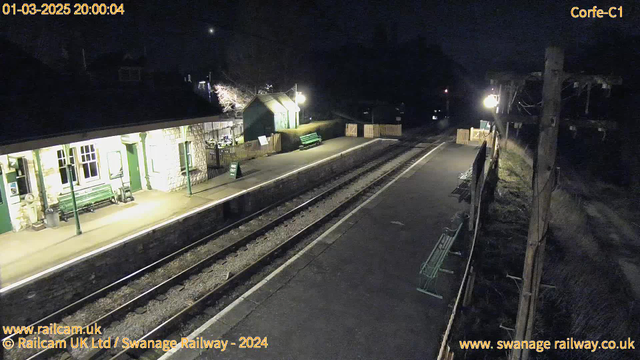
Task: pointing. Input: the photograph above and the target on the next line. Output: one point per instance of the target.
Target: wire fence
(486, 187)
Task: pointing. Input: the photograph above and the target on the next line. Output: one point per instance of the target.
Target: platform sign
(234, 170)
(485, 125)
(263, 140)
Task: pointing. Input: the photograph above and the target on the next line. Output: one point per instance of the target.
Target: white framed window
(89, 160)
(62, 166)
(22, 176)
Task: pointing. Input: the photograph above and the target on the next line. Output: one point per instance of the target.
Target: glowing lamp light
(490, 101)
(446, 91)
(300, 99)
(211, 30)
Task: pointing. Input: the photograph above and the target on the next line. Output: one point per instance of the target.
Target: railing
(482, 196)
(248, 150)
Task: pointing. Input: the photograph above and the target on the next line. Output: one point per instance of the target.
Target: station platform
(28, 253)
(351, 294)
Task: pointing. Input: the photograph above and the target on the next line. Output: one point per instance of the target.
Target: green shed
(268, 113)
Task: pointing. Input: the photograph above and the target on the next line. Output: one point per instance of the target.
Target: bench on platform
(463, 190)
(310, 140)
(430, 269)
(86, 200)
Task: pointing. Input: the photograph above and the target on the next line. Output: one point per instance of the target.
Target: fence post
(217, 149)
(468, 292)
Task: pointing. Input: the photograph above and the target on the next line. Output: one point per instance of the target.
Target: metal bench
(430, 269)
(86, 200)
(310, 140)
(463, 190)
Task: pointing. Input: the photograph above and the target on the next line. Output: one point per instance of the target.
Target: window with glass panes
(189, 156)
(22, 176)
(62, 166)
(89, 160)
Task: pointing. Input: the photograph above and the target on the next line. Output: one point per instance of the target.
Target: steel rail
(256, 266)
(197, 267)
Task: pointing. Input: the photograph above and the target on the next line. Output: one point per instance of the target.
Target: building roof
(41, 116)
(276, 102)
(37, 103)
(115, 60)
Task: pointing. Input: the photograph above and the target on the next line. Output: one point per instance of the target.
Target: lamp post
(490, 101)
(446, 91)
(73, 194)
(186, 157)
(298, 98)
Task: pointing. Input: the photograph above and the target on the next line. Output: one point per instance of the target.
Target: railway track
(263, 223)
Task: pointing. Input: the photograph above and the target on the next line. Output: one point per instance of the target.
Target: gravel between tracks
(147, 317)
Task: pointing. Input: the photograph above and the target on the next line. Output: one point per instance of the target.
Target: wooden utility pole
(543, 183)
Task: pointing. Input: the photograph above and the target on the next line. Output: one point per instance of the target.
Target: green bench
(430, 269)
(86, 200)
(310, 140)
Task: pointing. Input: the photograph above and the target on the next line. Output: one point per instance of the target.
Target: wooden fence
(486, 187)
(462, 136)
(248, 150)
(351, 130)
(480, 135)
(371, 131)
(390, 130)
(378, 130)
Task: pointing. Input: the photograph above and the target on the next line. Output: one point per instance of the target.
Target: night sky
(174, 34)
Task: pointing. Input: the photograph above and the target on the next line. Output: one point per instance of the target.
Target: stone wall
(164, 158)
(44, 295)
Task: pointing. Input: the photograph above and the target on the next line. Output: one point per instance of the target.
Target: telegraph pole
(543, 183)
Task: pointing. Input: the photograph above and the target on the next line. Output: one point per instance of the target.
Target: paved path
(352, 293)
(29, 252)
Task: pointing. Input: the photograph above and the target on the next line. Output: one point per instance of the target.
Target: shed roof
(276, 102)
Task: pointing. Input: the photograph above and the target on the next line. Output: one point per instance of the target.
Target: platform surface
(352, 293)
(29, 252)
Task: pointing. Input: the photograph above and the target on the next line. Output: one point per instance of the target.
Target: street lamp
(446, 91)
(300, 99)
(490, 101)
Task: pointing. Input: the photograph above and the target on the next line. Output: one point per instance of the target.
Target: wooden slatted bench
(310, 140)
(86, 200)
(430, 269)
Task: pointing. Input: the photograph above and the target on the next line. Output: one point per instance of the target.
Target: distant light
(300, 99)
(434, 117)
(211, 30)
(490, 101)
(446, 91)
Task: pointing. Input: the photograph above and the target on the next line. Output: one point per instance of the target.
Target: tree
(232, 98)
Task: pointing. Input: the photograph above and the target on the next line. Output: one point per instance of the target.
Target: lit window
(22, 176)
(181, 151)
(62, 166)
(89, 162)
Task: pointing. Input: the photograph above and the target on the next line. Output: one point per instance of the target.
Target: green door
(134, 168)
(5, 219)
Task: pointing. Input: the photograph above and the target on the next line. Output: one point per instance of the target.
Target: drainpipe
(143, 138)
(43, 191)
(73, 194)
